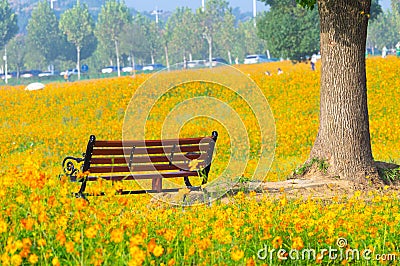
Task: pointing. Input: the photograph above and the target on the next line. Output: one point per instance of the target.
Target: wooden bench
(153, 160)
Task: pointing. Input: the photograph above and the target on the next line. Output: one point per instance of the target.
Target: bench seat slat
(146, 159)
(148, 143)
(143, 176)
(160, 150)
(137, 168)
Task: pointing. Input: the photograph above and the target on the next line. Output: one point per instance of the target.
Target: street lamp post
(254, 12)
(156, 12)
(51, 4)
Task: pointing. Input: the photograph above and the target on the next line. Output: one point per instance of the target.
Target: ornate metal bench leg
(81, 194)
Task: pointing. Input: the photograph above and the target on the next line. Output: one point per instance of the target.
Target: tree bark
(117, 54)
(78, 59)
(166, 56)
(343, 137)
(210, 50)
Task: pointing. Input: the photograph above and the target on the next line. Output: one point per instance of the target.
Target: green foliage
(322, 165)
(225, 39)
(211, 20)
(133, 41)
(111, 21)
(307, 3)
(8, 23)
(247, 41)
(78, 25)
(289, 30)
(17, 52)
(383, 31)
(185, 37)
(389, 176)
(44, 34)
(112, 18)
(376, 10)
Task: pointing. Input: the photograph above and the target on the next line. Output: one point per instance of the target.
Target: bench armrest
(72, 166)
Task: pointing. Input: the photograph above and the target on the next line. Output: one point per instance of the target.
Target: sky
(244, 5)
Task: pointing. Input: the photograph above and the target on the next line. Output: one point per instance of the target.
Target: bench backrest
(148, 159)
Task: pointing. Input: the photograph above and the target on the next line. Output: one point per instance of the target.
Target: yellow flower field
(40, 223)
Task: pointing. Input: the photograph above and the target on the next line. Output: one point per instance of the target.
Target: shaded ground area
(312, 184)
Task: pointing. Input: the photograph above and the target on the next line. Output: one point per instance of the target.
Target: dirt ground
(313, 184)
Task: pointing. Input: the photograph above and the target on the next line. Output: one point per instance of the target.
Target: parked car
(153, 67)
(130, 68)
(215, 61)
(29, 73)
(48, 74)
(110, 69)
(3, 76)
(69, 72)
(196, 63)
(256, 58)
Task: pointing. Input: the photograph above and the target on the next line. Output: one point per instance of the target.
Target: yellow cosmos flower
(16, 260)
(33, 259)
(158, 250)
(237, 254)
(117, 235)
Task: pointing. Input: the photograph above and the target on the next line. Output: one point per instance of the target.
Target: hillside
(24, 8)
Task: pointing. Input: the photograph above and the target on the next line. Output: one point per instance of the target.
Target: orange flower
(41, 242)
(117, 235)
(136, 240)
(151, 245)
(27, 223)
(250, 262)
(61, 237)
(55, 261)
(297, 243)
(277, 242)
(69, 246)
(90, 232)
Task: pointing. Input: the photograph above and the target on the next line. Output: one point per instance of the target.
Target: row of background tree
(109, 33)
(112, 32)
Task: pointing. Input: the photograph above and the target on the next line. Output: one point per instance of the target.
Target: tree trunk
(133, 65)
(117, 54)
(210, 51)
(166, 56)
(152, 57)
(230, 57)
(343, 138)
(78, 59)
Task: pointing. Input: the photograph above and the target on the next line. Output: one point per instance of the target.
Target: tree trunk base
(378, 176)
